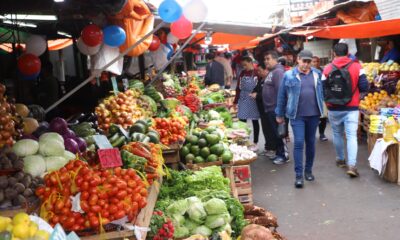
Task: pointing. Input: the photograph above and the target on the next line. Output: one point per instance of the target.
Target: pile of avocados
(205, 146)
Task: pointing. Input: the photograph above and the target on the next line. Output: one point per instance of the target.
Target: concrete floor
(332, 207)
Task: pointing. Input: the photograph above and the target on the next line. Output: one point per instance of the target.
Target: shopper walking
(316, 63)
(214, 71)
(247, 106)
(224, 59)
(343, 80)
(300, 99)
(269, 94)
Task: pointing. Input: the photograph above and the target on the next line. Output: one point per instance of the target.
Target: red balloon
(155, 43)
(29, 64)
(92, 35)
(182, 28)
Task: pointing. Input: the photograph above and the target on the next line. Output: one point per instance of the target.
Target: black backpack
(338, 86)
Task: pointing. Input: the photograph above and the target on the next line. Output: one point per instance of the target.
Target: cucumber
(114, 137)
(119, 142)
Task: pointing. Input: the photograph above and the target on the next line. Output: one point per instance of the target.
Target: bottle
(391, 128)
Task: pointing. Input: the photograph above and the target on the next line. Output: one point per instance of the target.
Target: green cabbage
(177, 220)
(35, 165)
(51, 148)
(196, 212)
(178, 207)
(191, 225)
(202, 230)
(25, 147)
(215, 206)
(181, 232)
(51, 136)
(214, 221)
(54, 163)
(69, 155)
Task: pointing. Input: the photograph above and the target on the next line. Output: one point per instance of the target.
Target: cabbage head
(178, 207)
(52, 136)
(25, 147)
(181, 232)
(51, 148)
(196, 212)
(69, 155)
(35, 165)
(214, 221)
(177, 220)
(191, 225)
(215, 206)
(203, 231)
(54, 163)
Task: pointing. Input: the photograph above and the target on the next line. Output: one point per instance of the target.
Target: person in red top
(344, 118)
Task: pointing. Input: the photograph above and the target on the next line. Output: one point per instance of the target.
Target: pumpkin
(22, 110)
(30, 125)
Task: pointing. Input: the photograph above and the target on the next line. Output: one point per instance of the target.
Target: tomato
(117, 171)
(101, 202)
(126, 177)
(136, 197)
(93, 190)
(122, 194)
(93, 199)
(59, 205)
(120, 214)
(112, 209)
(76, 227)
(94, 182)
(112, 192)
(80, 221)
(143, 192)
(39, 191)
(67, 202)
(94, 222)
(63, 218)
(78, 181)
(121, 185)
(66, 191)
(105, 213)
(85, 195)
(84, 186)
(95, 208)
(114, 200)
(84, 171)
(103, 195)
(131, 172)
(112, 180)
(55, 219)
(135, 207)
(69, 223)
(65, 211)
(142, 203)
(105, 174)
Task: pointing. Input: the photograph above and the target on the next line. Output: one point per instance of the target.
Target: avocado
(185, 151)
(192, 139)
(189, 158)
(212, 158)
(198, 159)
(204, 152)
(212, 139)
(217, 149)
(196, 133)
(211, 129)
(227, 156)
(202, 143)
(195, 150)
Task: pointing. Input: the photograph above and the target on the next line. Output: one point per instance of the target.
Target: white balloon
(36, 45)
(195, 11)
(172, 39)
(85, 49)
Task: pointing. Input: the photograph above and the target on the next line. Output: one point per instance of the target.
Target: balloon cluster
(92, 38)
(29, 64)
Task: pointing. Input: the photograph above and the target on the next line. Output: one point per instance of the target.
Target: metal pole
(177, 53)
(160, 25)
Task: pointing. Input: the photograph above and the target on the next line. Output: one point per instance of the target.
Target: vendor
(391, 53)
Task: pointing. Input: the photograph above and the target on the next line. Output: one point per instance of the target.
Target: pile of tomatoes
(171, 130)
(105, 195)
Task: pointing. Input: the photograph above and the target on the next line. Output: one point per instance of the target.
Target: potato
(28, 192)
(10, 193)
(12, 181)
(19, 187)
(19, 176)
(27, 181)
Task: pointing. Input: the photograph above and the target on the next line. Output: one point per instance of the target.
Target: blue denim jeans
(304, 129)
(345, 122)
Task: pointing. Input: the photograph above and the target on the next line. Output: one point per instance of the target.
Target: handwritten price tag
(109, 158)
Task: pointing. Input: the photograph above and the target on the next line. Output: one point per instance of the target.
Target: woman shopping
(300, 98)
(247, 106)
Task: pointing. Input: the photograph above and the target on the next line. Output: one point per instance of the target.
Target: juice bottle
(391, 128)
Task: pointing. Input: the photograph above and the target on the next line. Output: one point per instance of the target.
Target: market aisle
(333, 207)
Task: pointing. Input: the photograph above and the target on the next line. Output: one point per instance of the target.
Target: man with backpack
(343, 80)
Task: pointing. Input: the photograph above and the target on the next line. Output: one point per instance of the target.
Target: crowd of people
(306, 96)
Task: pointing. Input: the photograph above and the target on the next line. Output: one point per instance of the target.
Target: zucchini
(119, 142)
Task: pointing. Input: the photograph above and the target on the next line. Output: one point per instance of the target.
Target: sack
(282, 130)
(338, 86)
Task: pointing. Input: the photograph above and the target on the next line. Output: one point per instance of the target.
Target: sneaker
(253, 148)
(309, 176)
(323, 138)
(352, 172)
(270, 154)
(299, 183)
(341, 163)
(280, 160)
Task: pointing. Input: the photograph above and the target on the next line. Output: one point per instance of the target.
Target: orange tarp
(224, 38)
(360, 30)
(53, 45)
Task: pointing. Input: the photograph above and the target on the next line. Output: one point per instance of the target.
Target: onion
(81, 144)
(59, 125)
(71, 145)
(69, 134)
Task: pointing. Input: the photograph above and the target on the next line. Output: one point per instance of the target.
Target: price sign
(123, 131)
(109, 158)
(102, 141)
(114, 85)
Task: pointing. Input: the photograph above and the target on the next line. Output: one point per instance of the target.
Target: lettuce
(178, 207)
(51, 148)
(196, 212)
(35, 165)
(25, 147)
(215, 206)
(202, 230)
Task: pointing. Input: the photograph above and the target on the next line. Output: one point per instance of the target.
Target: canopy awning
(372, 29)
(53, 45)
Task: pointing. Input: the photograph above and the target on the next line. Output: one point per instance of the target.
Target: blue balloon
(114, 36)
(170, 11)
(29, 77)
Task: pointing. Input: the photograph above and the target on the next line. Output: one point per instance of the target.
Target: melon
(22, 110)
(30, 125)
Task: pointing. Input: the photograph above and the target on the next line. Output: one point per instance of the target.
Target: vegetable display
(171, 129)
(103, 195)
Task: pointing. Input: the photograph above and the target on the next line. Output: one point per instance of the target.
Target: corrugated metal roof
(388, 9)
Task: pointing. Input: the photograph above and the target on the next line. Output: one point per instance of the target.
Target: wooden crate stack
(171, 156)
(240, 177)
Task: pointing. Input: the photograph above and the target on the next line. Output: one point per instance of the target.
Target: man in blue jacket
(214, 72)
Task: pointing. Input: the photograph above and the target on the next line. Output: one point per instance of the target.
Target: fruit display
(373, 102)
(21, 227)
(104, 195)
(161, 227)
(122, 109)
(153, 93)
(10, 125)
(9, 160)
(17, 189)
(171, 129)
(373, 69)
(205, 146)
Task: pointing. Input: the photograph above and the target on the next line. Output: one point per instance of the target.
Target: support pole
(160, 25)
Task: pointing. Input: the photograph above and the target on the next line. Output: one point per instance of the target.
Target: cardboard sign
(109, 158)
(102, 141)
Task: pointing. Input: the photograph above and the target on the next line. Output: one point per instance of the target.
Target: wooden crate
(228, 172)
(246, 199)
(390, 172)
(143, 219)
(171, 155)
